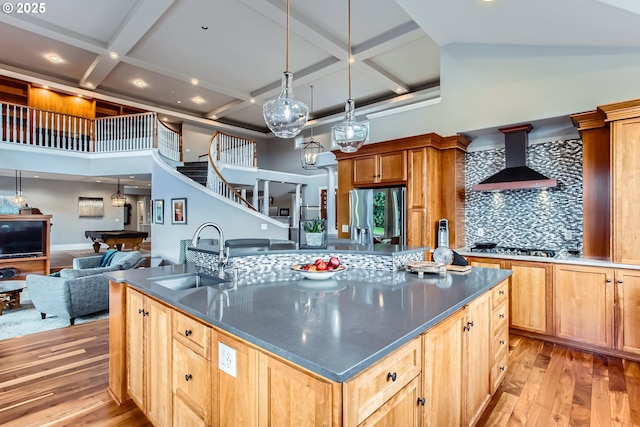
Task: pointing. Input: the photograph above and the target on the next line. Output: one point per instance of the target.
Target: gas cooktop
(508, 250)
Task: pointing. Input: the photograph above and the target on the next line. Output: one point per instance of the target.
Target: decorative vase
(314, 239)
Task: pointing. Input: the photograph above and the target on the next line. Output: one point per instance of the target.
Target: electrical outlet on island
(480, 232)
(227, 359)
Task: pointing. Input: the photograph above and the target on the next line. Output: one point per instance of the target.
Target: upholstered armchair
(81, 290)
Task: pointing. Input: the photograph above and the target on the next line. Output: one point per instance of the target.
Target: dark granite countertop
(336, 327)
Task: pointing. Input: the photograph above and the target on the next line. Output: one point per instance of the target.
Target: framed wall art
(158, 211)
(179, 211)
(90, 207)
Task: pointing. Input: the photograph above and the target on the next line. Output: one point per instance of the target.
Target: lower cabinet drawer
(373, 387)
(500, 316)
(192, 333)
(184, 416)
(500, 340)
(192, 380)
(498, 369)
(500, 293)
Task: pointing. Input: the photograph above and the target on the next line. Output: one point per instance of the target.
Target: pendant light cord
(311, 111)
(349, 44)
(287, 44)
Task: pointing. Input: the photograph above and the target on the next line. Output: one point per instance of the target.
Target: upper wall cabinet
(380, 168)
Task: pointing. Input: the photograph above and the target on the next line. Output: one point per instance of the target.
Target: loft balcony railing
(47, 129)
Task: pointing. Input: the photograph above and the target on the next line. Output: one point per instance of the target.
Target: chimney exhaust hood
(516, 174)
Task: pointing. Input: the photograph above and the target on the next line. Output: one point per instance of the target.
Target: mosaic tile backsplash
(533, 218)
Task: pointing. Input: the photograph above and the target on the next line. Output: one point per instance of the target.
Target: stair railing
(233, 149)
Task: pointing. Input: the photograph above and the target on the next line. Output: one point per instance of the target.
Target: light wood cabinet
(235, 396)
(380, 168)
(499, 344)
(625, 157)
(149, 356)
(628, 317)
(365, 394)
(485, 262)
(584, 304)
(478, 358)
(400, 410)
(531, 296)
(290, 397)
(29, 264)
(442, 372)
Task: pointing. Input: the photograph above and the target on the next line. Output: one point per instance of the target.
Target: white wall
(202, 206)
(60, 199)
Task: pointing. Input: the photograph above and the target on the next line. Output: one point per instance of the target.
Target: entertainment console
(24, 245)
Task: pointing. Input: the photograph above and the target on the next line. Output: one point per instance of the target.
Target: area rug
(15, 322)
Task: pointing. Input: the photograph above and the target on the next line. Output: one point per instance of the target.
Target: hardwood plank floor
(555, 385)
(59, 378)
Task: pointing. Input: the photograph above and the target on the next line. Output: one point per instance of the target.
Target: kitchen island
(285, 343)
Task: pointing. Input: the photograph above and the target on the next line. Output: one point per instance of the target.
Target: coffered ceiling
(222, 59)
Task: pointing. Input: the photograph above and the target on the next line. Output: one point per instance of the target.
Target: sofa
(81, 290)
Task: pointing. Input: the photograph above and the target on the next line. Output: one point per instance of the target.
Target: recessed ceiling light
(164, 119)
(252, 100)
(179, 102)
(132, 176)
(97, 180)
(140, 83)
(194, 82)
(54, 58)
(197, 100)
(36, 176)
(89, 85)
(113, 55)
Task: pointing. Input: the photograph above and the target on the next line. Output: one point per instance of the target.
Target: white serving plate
(317, 275)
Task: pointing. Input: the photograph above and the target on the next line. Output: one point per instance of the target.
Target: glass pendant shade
(349, 135)
(285, 116)
(309, 154)
(118, 199)
(19, 199)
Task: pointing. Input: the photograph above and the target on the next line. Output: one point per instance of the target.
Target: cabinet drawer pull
(501, 292)
(391, 376)
(140, 311)
(501, 315)
(421, 401)
(469, 325)
(187, 332)
(502, 342)
(502, 368)
(608, 280)
(187, 377)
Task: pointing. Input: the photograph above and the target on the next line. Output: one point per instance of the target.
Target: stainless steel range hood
(516, 174)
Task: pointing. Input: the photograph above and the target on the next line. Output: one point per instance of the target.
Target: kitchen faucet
(223, 258)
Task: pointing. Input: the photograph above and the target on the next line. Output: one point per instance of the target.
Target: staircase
(197, 171)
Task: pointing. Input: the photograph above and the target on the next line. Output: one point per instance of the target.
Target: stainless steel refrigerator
(377, 215)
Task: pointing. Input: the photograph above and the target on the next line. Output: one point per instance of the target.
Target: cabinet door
(135, 347)
(485, 262)
(625, 183)
(158, 363)
(584, 304)
(192, 379)
(401, 410)
(531, 299)
(236, 394)
(392, 167)
(478, 360)
(365, 170)
(442, 372)
(292, 398)
(628, 285)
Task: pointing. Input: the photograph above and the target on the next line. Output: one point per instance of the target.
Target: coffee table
(10, 293)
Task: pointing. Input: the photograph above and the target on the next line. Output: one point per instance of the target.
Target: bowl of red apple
(320, 269)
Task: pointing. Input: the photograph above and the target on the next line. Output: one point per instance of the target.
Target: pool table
(116, 239)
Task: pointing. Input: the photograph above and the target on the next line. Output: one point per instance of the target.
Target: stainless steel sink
(191, 281)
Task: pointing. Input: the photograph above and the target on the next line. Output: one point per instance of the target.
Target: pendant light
(310, 150)
(349, 135)
(118, 199)
(19, 199)
(286, 116)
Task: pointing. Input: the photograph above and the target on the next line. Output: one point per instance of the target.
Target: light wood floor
(554, 385)
(59, 378)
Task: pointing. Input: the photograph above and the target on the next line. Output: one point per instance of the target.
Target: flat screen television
(21, 238)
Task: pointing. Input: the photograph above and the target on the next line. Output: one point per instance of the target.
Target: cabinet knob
(608, 280)
(501, 292)
(145, 313)
(501, 315)
(140, 311)
(620, 281)
(502, 368)
(421, 401)
(470, 324)
(187, 377)
(391, 376)
(502, 342)
(187, 332)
